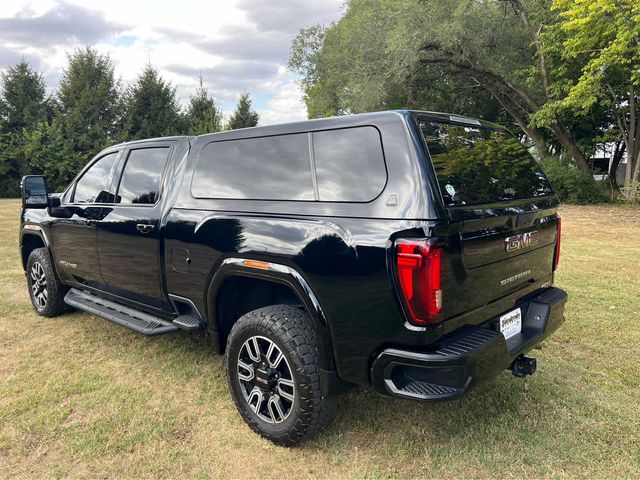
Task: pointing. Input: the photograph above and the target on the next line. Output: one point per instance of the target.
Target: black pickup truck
(410, 251)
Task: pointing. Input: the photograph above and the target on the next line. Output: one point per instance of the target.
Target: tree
(603, 36)
(89, 103)
(306, 60)
(22, 104)
(448, 55)
(243, 116)
(48, 151)
(11, 164)
(342, 71)
(151, 108)
(22, 99)
(202, 114)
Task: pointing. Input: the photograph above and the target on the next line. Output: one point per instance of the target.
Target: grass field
(81, 397)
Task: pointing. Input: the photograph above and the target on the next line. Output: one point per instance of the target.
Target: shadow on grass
(491, 412)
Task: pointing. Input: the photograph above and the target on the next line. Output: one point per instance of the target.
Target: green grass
(82, 397)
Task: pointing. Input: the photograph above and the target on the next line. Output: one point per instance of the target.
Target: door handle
(144, 227)
(90, 223)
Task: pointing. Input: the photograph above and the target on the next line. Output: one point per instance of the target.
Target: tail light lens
(418, 266)
(557, 259)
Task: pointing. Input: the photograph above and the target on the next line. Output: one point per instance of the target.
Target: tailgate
(501, 224)
(489, 240)
(497, 254)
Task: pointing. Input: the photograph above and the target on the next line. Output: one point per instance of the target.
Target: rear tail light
(419, 272)
(557, 259)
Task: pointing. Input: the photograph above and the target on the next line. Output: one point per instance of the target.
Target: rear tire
(45, 289)
(274, 375)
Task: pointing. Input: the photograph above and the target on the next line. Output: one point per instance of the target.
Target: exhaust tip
(523, 366)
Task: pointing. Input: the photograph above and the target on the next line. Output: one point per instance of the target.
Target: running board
(188, 321)
(131, 318)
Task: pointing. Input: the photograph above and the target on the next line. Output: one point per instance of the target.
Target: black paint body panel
(338, 255)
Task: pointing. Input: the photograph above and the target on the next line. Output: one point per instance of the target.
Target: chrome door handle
(144, 227)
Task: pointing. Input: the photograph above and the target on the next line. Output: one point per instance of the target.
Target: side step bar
(136, 320)
(188, 321)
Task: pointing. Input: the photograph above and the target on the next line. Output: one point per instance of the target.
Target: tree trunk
(564, 138)
(628, 173)
(631, 135)
(570, 145)
(615, 162)
(636, 171)
(636, 128)
(535, 39)
(521, 119)
(510, 95)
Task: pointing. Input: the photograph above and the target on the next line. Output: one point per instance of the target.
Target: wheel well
(29, 244)
(239, 295)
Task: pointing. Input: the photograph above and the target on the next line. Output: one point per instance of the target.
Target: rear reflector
(557, 259)
(418, 267)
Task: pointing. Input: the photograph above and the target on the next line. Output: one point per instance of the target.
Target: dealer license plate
(511, 323)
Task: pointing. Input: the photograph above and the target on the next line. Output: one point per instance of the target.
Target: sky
(235, 45)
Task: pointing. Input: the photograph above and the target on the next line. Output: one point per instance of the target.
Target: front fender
(30, 230)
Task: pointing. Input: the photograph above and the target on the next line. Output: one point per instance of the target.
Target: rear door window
(349, 164)
(476, 165)
(140, 181)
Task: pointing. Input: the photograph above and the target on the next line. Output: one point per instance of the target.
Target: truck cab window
(94, 184)
(140, 183)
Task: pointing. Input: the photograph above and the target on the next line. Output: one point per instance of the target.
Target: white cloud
(285, 105)
(237, 45)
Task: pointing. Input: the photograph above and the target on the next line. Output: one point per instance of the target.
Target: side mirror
(34, 192)
(54, 200)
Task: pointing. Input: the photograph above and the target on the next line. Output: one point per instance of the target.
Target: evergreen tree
(12, 162)
(48, 152)
(202, 114)
(243, 116)
(22, 104)
(152, 108)
(22, 98)
(89, 103)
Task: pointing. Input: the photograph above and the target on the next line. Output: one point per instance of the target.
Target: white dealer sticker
(511, 323)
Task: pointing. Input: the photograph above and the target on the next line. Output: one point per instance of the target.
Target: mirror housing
(34, 192)
(54, 200)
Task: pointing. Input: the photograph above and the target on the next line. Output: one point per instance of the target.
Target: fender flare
(30, 229)
(277, 273)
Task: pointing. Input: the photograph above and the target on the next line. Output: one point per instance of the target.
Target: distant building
(601, 162)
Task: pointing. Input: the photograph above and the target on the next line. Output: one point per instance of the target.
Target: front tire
(45, 289)
(274, 376)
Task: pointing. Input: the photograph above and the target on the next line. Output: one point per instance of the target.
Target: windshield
(475, 164)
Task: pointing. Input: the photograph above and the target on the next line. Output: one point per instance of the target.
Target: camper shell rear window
(475, 164)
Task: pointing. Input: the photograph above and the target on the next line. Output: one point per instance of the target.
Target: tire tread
(55, 289)
(291, 326)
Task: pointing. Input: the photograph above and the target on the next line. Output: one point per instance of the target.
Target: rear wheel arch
(236, 289)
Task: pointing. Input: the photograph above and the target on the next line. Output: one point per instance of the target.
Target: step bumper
(466, 356)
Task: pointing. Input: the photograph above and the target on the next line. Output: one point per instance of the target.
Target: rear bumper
(465, 356)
